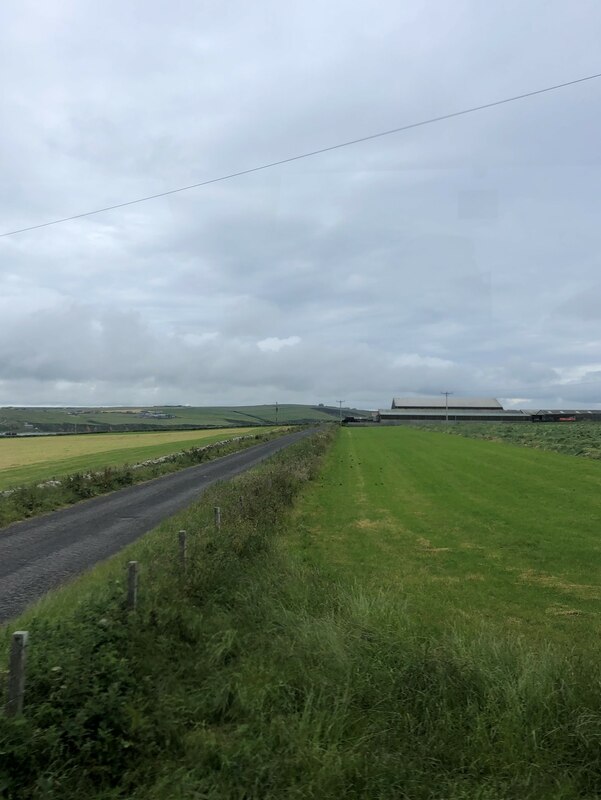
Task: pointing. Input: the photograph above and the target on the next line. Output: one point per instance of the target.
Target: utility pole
(276, 413)
(340, 402)
(446, 398)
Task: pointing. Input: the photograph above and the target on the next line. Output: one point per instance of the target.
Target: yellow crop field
(28, 459)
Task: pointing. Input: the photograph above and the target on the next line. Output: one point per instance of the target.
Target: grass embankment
(24, 460)
(32, 499)
(570, 438)
(264, 676)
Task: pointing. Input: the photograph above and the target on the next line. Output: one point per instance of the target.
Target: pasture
(570, 438)
(28, 460)
(467, 533)
(86, 420)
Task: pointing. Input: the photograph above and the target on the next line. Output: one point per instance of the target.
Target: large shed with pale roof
(441, 408)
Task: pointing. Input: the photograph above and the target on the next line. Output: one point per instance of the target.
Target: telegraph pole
(340, 402)
(276, 413)
(446, 399)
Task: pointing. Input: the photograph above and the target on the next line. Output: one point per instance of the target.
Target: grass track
(467, 531)
(36, 459)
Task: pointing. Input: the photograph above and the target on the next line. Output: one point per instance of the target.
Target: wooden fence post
(16, 674)
(132, 585)
(183, 550)
(217, 517)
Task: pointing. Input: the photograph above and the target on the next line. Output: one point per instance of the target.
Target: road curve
(40, 554)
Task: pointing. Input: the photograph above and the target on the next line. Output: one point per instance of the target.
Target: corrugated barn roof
(439, 402)
(453, 412)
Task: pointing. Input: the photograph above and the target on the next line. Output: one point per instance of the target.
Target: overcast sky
(462, 256)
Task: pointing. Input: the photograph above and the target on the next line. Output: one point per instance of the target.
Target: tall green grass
(259, 676)
(570, 438)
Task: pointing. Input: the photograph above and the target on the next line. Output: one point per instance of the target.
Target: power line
(309, 154)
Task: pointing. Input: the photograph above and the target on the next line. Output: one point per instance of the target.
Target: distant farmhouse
(453, 409)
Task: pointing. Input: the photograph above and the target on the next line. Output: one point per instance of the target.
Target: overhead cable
(301, 156)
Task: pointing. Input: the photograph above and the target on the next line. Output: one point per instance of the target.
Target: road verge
(33, 499)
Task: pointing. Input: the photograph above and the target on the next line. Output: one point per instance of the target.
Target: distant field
(93, 419)
(571, 438)
(36, 459)
(467, 532)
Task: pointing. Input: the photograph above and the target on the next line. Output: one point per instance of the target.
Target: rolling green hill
(88, 420)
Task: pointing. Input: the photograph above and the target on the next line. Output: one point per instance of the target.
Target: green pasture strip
(144, 446)
(466, 532)
(571, 438)
(256, 675)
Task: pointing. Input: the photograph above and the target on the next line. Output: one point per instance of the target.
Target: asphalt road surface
(39, 554)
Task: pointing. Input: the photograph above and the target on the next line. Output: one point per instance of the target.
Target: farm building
(566, 415)
(455, 409)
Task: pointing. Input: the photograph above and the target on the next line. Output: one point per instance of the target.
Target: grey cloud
(462, 255)
(584, 306)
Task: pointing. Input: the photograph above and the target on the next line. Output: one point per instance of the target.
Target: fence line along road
(42, 553)
(15, 693)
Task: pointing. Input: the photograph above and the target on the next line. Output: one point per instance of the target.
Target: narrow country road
(39, 554)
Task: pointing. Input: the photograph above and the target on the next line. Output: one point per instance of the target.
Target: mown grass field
(25, 460)
(468, 533)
